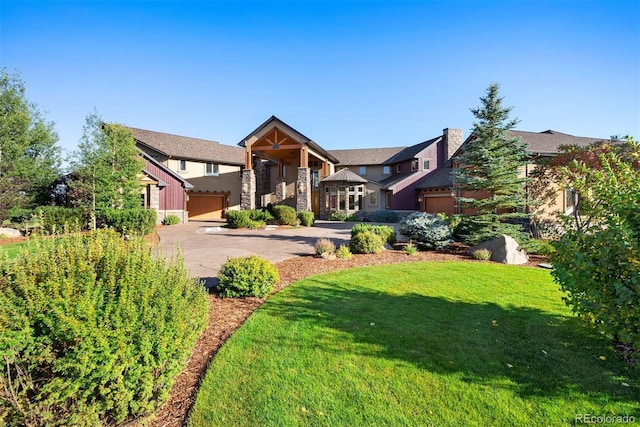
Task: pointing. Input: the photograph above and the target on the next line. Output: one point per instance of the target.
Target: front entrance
(204, 207)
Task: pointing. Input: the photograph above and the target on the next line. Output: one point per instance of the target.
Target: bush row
(93, 330)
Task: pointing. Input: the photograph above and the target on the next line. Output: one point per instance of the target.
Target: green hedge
(138, 222)
(366, 242)
(306, 218)
(247, 218)
(386, 232)
(93, 330)
(58, 219)
(285, 215)
(247, 276)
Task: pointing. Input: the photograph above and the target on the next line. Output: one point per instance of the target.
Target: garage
(204, 207)
(437, 204)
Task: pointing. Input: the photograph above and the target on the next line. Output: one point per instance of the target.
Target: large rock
(10, 232)
(504, 249)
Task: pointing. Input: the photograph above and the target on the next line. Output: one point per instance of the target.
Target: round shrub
(246, 219)
(93, 329)
(171, 220)
(285, 215)
(366, 242)
(427, 231)
(249, 276)
(344, 252)
(386, 232)
(307, 218)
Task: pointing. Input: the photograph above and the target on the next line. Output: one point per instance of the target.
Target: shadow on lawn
(544, 354)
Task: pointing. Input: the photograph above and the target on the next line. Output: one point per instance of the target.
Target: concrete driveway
(207, 245)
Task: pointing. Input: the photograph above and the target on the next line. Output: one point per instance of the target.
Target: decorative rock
(504, 249)
(10, 232)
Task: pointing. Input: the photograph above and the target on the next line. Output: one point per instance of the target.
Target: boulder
(504, 249)
(10, 232)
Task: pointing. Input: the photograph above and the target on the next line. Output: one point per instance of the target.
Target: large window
(212, 169)
(571, 200)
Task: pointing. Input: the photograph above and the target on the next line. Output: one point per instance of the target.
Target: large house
(277, 164)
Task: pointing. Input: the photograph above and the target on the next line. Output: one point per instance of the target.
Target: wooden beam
(248, 163)
(304, 157)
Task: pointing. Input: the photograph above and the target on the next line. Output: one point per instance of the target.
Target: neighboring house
(398, 170)
(213, 170)
(163, 190)
(437, 193)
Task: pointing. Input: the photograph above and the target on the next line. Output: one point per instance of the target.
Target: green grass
(419, 344)
(11, 249)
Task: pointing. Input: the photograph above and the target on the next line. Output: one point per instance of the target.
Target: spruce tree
(490, 178)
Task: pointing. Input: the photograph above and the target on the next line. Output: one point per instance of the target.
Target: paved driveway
(208, 245)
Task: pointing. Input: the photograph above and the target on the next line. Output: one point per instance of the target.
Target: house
(213, 171)
(163, 190)
(436, 191)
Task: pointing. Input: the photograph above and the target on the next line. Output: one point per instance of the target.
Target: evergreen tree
(106, 168)
(490, 175)
(29, 157)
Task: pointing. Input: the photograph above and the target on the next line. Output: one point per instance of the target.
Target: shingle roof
(440, 178)
(365, 156)
(396, 179)
(549, 141)
(183, 147)
(166, 169)
(345, 175)
(411, 152)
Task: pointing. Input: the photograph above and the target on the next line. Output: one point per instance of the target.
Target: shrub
(171, 220)
(246, 219)
(306, 218)
(138, 222)
(344, 252)
(105, 329)
(19, 215)
(285, 215)
(58, 219)
(249, 276)
(453, 221)
(481, 254)
(342, 216)
(366, 242)
(411, 249)
(387, 232)
(260, 215)
(323, 246)
(386, 215)
(426, 230)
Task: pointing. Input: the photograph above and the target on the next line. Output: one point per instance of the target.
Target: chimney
(451, 141)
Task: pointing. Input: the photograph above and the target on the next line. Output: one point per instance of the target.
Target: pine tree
(29, 157)
(106, 169)
(490, 179)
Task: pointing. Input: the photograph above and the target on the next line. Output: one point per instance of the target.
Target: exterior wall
(405, 196)
(373, 198)
(373, 172)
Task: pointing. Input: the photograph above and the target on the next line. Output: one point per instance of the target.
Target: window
(571, 200)
(398, 168)
(386, 170)
(373, 199)
(363, 170)
(414, 165)
(426, 164)
(212, 169)
(182, 165)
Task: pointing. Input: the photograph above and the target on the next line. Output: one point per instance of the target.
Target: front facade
(163, 190)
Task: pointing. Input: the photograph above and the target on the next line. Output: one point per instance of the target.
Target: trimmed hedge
(58, 219)
(249, 276)
(93, 330)
(307, 218)
(285, 215)
(252, 219)
(386, 232)
(366, 242)
(138, 222)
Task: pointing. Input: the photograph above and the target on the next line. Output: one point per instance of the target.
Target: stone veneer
(248, 196)
(303, 193)
(281, 189)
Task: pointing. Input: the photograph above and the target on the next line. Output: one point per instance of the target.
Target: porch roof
(345, 175)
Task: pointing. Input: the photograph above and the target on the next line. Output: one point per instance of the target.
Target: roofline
(186, 183)
(200, 159)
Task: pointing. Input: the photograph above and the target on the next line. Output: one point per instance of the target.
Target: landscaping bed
(227, 314)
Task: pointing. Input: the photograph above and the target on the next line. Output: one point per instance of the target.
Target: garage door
(437, 204)
(205, 206)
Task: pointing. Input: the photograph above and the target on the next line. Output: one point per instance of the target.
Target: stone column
(281, 189)
(323, 214)
(303, 193)
(248, 196)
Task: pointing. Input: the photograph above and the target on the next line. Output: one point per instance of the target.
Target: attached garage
(439, 204)
(203, 206)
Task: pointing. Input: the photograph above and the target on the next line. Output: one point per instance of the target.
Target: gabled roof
(411, 152)
(365, 156)
(291, 131)
(345, 175)
(165, 169)
(182, 147)
(549, 141)
(393, 180)
(440, 178)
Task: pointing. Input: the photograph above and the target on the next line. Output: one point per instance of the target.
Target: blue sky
(346, 74)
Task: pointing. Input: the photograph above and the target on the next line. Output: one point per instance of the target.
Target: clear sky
(346, 74)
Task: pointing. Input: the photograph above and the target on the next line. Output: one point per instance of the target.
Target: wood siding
(172, 197)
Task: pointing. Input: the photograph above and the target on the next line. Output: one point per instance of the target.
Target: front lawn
(433, 343)
(11, 249)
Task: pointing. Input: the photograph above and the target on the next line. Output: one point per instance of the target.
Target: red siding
(172, 197)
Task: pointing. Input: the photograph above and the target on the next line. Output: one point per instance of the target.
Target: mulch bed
(228, 314)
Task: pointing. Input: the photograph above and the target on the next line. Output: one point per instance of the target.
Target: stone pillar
(248, 196)
(303, 193)
(154, 197)
(281, 189)
(323, 214)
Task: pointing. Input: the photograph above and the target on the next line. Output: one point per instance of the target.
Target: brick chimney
(451, 141)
